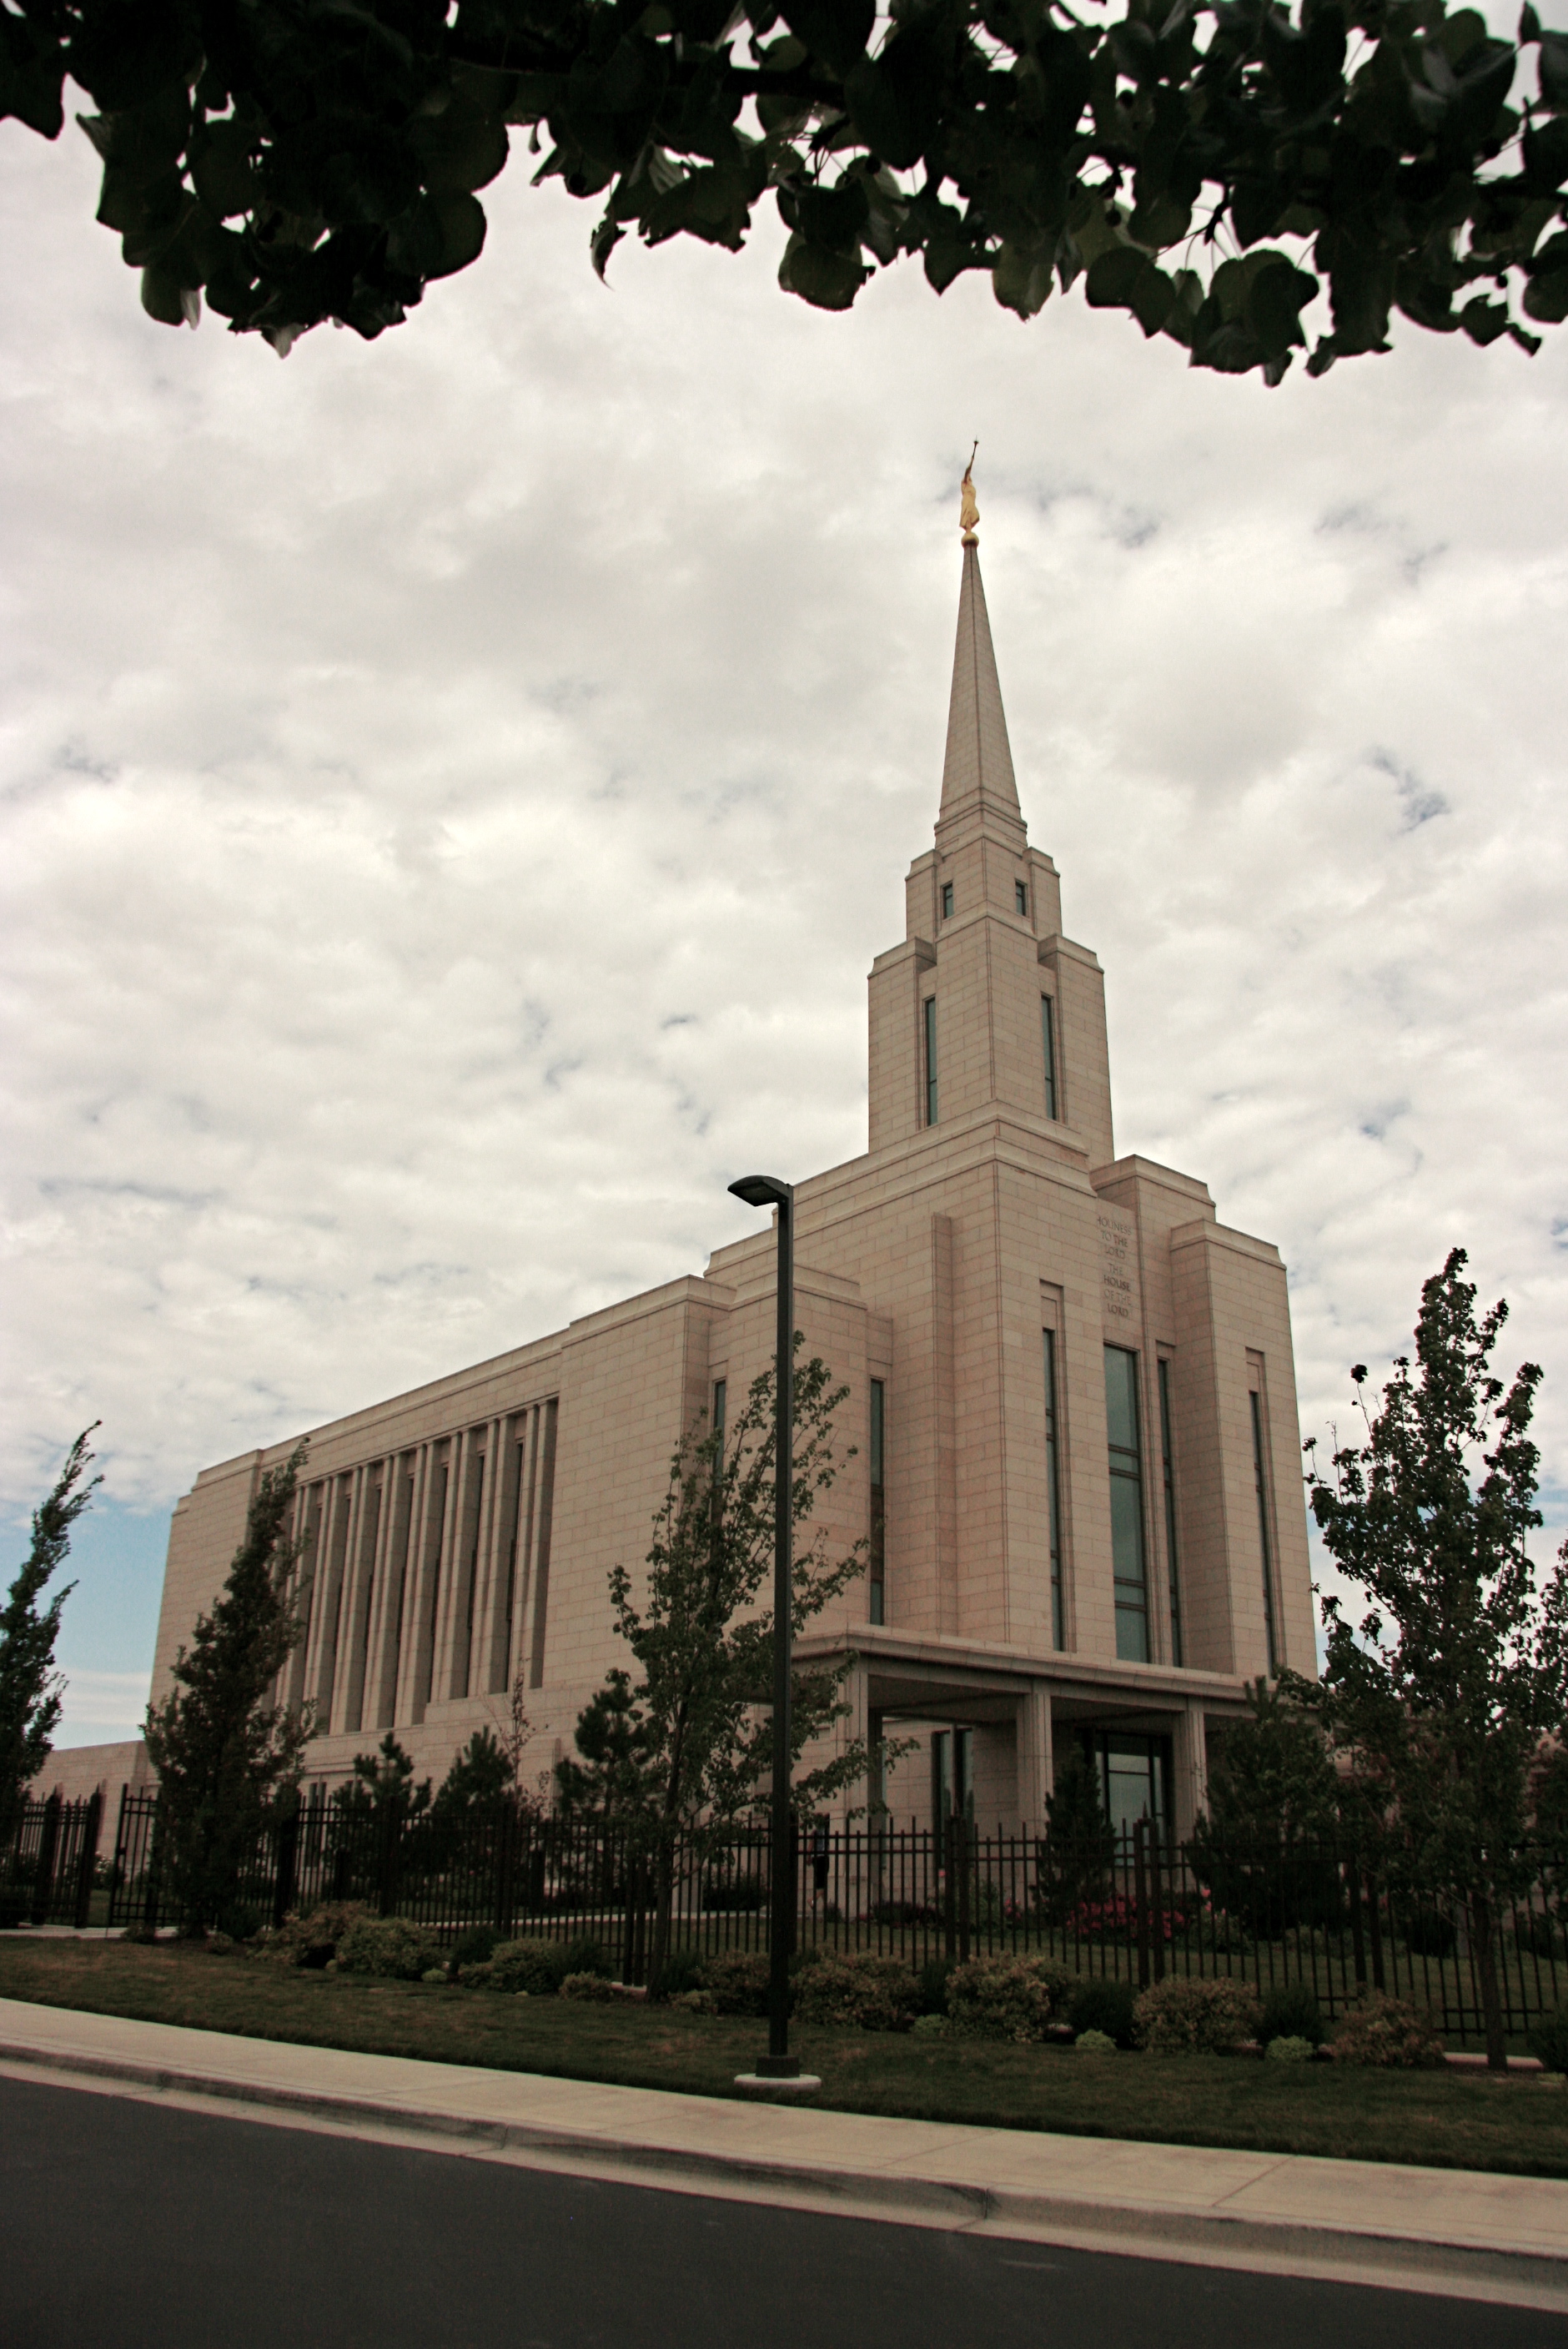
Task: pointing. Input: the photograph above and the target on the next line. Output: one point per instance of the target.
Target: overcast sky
(454, 787)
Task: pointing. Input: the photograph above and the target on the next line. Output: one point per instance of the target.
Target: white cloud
(454, 787)
(102, 1708)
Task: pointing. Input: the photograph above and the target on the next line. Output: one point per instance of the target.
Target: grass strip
(1439, 2119)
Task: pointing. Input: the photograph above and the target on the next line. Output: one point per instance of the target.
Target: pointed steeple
(978, 760)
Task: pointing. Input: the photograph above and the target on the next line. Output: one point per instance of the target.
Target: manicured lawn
(1435, 2117)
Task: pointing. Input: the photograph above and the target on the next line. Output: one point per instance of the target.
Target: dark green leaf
(1554, 70)
(1126, 279)
(828, 280)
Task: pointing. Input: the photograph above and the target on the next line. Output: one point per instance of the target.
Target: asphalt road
(133, 2226)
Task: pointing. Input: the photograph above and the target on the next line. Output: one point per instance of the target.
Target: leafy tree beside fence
(1443, 1691)
(675, 1757)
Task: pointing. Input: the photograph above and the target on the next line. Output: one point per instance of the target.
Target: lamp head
(763, 1191)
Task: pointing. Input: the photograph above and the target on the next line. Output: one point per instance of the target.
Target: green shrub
(1290, 2048)
(736, 1980)
(1006, 1997)
(1094, 2043)
(1428, 1932)
(474, 1946)
(1547, 2040)
(1535, 1934)
(1388, 2033)
(434, 1975)
(681, 1972)
(586, 1956)
(594, 1988)
(241, 1921)
(1291, 2011)
(221, 1945)
(312, 1941)
(1195, 2018)
(866, 1992)
(391, 1948)
(537, 1967)
(932, 2026)
(1102, 2005)
(932, 1986)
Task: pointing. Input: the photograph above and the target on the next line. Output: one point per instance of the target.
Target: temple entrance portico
(989, 1729)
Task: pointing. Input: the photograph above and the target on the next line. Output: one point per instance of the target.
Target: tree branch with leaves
(1194, 161)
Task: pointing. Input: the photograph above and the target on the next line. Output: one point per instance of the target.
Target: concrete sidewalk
(1462, 2233)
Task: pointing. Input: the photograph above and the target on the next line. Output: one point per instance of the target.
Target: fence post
(387, 1858)
(1140, 1898)
(87, 1860)
(504, 1868)
(1357, 1936)
(632, 1950)
(44, 1875)
(1376, 1931)
(286, 1855)
(151, 1862)
(1157, 1901)
(116, 1873)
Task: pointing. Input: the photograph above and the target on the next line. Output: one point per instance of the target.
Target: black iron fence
(49, 1872)
(1136, 1906)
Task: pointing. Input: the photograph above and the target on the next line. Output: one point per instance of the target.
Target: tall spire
(979, 758)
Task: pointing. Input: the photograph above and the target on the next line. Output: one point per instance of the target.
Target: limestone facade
(1090, 1513)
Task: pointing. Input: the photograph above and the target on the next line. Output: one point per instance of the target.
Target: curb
(1403, 2262)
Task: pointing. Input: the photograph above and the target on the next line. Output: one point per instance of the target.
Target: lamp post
(767, 1191)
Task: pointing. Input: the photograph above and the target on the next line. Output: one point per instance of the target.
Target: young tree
(1267, 1846)
(1444, 1688)
(680, 1754)
(1381, 145)
(1080, 1846)
(1274, 1776)
(30, 1687)
(382, 1786)
(222, 1755)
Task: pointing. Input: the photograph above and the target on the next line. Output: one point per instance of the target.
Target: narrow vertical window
(1047, 1038)
(541, 1558)
(947, 901)
(473, 1536)
(500, 1599)
(1131, 1584)
(1260, 1473)
(1053, 1488)
(878, 1502)
(1021, 898)
(1168, 1463)
(398, 1567)
(931, 1060)
(720, 1397)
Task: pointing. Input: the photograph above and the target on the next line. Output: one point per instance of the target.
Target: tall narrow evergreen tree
(222, 1755)
(30, 1687)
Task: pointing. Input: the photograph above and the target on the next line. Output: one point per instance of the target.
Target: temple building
(1071, 1397)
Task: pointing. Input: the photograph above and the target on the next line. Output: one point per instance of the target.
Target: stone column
(1190, 1791)
(1036, 1763)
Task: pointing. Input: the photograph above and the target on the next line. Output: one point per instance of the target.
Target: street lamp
(767, 1191)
